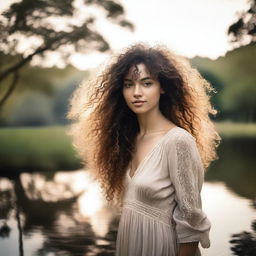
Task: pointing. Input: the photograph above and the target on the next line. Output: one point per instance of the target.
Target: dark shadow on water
(236, 166)
(19, 229)
(4, 230)
(244, 243)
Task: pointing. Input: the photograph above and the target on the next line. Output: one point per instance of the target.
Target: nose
(137, 90)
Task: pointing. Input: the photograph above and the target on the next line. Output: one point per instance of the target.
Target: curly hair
(104, 128)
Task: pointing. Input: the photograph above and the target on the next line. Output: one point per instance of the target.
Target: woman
(145, 132)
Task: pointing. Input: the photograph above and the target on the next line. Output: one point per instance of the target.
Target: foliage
(47, 148)
(245, 25)
(233, 76)
(41, 97)
(38, 19)
(53, 26)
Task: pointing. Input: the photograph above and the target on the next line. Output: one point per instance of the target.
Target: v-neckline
(148, 154)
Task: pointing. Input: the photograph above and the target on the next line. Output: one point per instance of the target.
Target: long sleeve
(187, 175)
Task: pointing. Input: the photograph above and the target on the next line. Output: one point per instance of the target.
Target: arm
(188, 249)
(187, 175)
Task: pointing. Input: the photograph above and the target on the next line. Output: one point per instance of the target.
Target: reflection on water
(229, 214)
(63, 213)
(236, 166)
(234, 215)
(244, 243)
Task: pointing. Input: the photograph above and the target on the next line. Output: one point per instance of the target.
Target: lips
(138, 101)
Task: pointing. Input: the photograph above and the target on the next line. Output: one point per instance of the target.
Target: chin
(139, 111)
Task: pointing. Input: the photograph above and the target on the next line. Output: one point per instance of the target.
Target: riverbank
(50, 148)
(40, 148)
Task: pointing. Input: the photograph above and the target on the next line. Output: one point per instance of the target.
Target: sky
(188, 27)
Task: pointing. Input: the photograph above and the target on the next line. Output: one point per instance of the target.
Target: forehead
(137, 71)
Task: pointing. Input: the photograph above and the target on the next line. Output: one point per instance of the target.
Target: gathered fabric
(162, 204)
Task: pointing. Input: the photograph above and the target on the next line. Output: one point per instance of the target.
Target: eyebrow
(142, 79)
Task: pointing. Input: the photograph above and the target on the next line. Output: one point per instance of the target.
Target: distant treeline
(42, 94)
(234, 79)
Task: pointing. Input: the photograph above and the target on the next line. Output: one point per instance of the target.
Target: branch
(21, 63)
(10, 89)
(61, 39)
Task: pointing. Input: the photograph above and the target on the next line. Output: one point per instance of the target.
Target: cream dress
(162, 204)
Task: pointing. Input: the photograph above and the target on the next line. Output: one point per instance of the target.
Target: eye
(127, 85)
(147, 84)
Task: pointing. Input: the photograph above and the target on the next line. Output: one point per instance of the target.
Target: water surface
(63, 212)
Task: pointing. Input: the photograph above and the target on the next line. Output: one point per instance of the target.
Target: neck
(153, 121)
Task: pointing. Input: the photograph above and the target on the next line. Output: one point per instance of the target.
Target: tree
(37, 20)
(245, 25)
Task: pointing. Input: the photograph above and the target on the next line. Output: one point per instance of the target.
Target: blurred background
(48, 203)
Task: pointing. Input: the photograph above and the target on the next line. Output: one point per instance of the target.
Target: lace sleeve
(187, 176)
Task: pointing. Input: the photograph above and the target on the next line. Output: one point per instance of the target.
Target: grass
(50, 148)
(229, 129)
(43, 148)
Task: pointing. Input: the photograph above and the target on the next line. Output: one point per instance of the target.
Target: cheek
(155, 95)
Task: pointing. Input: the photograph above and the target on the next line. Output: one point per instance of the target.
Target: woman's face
(141, 91)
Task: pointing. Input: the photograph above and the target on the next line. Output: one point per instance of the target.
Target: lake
(63, 212)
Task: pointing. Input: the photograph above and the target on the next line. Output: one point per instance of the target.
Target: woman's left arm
(187, 175)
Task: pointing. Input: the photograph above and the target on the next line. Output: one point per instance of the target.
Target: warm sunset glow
(79, 179)
(91, 205)
(37, 187)
(196, 27)
(90, 202)
(100, 221)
